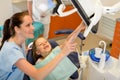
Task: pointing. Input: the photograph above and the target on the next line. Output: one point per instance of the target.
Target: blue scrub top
(9, 55)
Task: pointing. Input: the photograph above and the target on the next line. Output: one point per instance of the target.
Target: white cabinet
(107, 25)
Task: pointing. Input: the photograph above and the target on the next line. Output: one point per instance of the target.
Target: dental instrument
(99, 55)
(102, 55)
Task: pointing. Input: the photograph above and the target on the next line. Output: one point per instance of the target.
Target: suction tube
(95, 18)
(104, 45)
(102, 56)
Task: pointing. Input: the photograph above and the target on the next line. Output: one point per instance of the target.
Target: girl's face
(43, 47)
(26, 29)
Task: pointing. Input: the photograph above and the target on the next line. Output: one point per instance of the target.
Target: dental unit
(91, 14)
(100, 63)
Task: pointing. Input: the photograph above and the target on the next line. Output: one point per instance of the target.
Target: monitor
(85, 9)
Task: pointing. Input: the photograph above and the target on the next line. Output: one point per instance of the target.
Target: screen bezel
(82, 12)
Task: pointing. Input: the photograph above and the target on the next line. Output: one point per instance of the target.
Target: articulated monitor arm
(61, 8)
(99, 11)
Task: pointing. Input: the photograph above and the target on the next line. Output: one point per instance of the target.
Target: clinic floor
(90, 42)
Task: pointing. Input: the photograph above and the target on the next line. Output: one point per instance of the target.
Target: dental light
(90, 12)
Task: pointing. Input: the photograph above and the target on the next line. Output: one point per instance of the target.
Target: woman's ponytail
(6, 32)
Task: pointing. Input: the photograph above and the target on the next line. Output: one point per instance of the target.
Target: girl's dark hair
(35, 56)
(15, 21)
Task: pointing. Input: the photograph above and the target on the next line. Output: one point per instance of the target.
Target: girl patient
(43, 53)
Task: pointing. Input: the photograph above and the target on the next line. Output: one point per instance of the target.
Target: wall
(109, 2)
(17, 1)
(5, 10)
(115, 51)
(62, 23)
(19, 6)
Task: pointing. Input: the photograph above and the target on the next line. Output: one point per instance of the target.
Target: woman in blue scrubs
(13, 63)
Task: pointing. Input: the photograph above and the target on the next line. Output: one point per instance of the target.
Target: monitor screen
(85, 9)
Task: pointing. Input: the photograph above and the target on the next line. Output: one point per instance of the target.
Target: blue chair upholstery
(68, 31)
(38, 30)
(73, 57)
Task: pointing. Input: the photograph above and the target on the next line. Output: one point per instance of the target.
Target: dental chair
(73, 57)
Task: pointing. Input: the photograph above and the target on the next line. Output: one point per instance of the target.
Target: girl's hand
(83, 26)
(68, 47)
